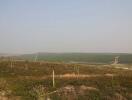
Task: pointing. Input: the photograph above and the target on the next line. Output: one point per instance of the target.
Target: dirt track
(67, 76)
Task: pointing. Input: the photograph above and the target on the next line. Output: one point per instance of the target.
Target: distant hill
(8, 55)
(3, 54)
(79, 57)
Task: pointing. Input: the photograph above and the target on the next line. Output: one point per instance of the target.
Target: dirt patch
(83, 87)
(109, 75)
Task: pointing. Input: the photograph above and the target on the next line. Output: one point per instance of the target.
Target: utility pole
(36, 57)
(116, 60)
(11, 63)
(53, 76)
(76, 70)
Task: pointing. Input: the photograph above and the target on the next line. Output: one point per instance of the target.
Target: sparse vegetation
(100, 82)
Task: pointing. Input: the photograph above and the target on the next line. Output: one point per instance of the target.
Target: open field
(95, 58)
(26, 80)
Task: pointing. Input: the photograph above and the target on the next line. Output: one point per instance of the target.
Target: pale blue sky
(28, 26)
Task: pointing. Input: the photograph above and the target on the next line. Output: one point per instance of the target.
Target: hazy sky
(28, 26)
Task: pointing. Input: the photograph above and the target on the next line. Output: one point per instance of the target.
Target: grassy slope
(21, 85)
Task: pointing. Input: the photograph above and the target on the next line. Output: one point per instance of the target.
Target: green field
(80, 57)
